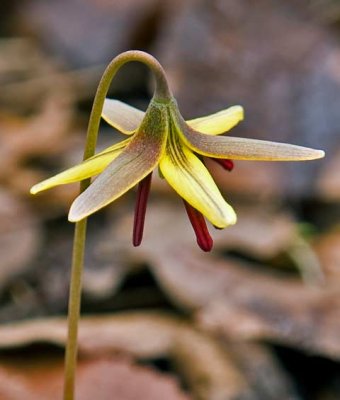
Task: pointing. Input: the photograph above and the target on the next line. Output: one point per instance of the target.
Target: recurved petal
(192, 181)
(248, 149)
(218, 123)
(137, 160)
(121, 116)
(90, 167)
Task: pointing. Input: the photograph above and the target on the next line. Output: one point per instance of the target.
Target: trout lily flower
(161, 138)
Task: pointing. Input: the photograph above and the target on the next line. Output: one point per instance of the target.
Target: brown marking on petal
(136, 161)
(140, 209)
(204, 240)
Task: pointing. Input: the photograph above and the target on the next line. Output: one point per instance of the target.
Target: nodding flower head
(161, 138)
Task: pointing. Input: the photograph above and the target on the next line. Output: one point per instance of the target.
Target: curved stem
(162, 93)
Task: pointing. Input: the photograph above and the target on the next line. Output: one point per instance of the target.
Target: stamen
(140, 209)
(225, 163)
(199, 225)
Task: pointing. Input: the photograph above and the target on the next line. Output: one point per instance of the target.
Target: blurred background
(256, 319)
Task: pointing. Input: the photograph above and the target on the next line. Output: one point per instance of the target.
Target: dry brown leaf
(205, 365)
(36, 123)
(41, 378)
(235, 297)
(244, 303)
(238, 183)
(212, 369)
(327, 248)
(263, 370)
(106, 334)
(328, 183)
(259, 233)
(20, 237)
(279, 310)
(40, 135)
(210, 372)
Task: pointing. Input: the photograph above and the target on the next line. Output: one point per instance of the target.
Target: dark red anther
(225, 163)
(199, 225)
(140, 209)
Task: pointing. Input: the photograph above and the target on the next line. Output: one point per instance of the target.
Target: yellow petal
(121, 116)
(90, 167)
(247, 149)
(137, 160)
(218, 123)
(192, 181)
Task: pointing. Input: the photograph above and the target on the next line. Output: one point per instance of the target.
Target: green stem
(74, 308)
(162, 93)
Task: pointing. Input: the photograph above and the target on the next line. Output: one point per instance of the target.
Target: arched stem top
(162, 93)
